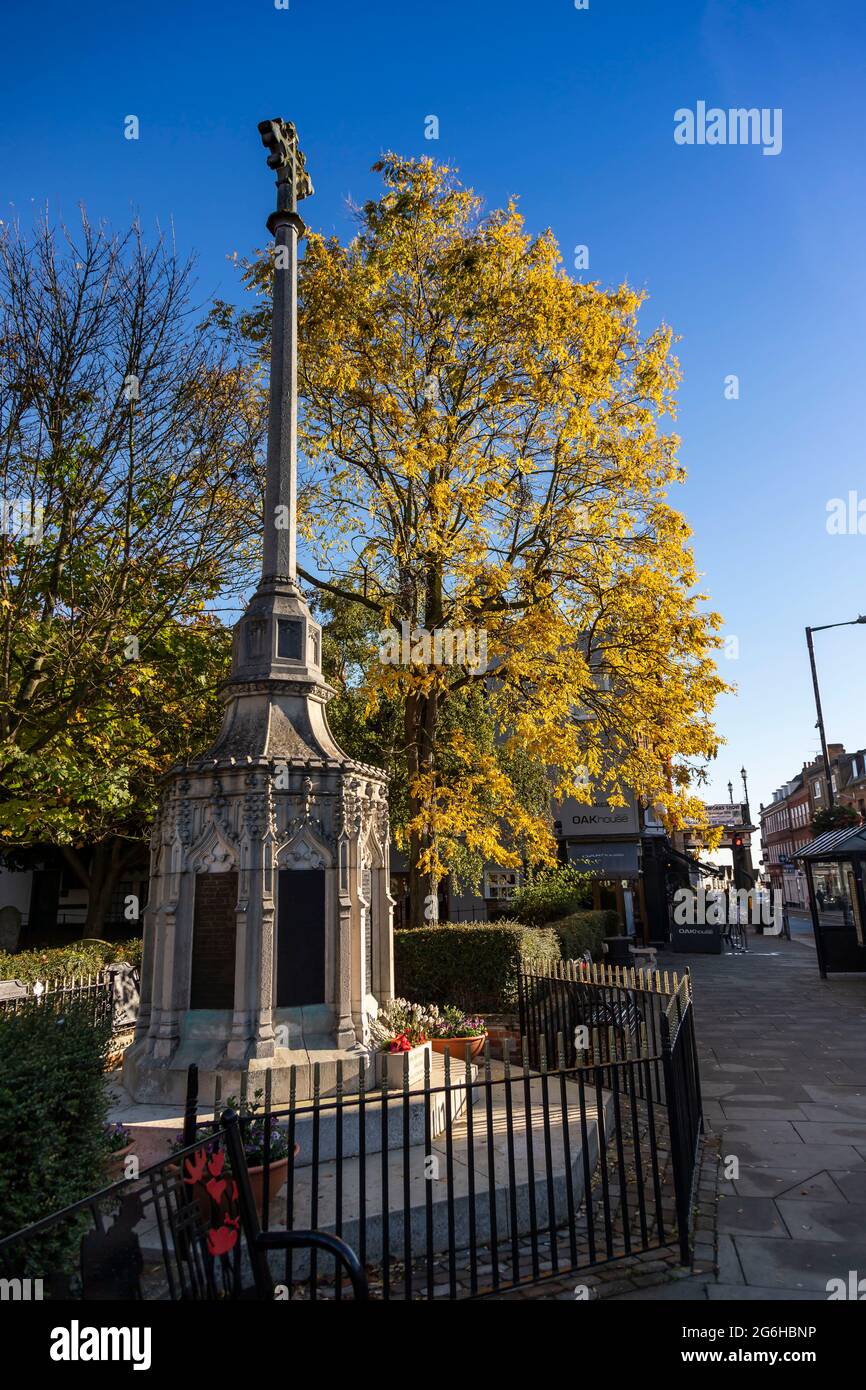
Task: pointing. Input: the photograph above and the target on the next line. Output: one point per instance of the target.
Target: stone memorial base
(314, 1058)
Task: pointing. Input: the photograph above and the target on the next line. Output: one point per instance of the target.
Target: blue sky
(756, 261)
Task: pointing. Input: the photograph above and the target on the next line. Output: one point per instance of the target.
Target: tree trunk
(421, 720)
(109, 861)
(422, 714)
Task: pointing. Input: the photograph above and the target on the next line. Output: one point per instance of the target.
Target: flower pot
(276, 1181)
(457, 1046)
(114, 1162)
(392, 1067)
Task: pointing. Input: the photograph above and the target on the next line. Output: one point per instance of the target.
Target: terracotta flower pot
(276, 1181)
(457, 1046)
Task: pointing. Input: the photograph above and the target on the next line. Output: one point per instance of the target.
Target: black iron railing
(683, 1096)
(186, 1228)
(95, 992)
(477, 1177)
(641, 1020)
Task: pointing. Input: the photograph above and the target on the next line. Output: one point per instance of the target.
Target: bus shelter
(834, 865)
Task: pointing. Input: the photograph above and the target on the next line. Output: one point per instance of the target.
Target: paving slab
(750, 1216)
(835, 1114)
(755, 1114)
(768, 1154)
(748, 1293)
(682, 1291)
(784, 1058)
(852, 1185)
(815, 1219)
(842, 1132)
(790, 1264)
(762, 1130)
(818, 1187)
(729, 1269)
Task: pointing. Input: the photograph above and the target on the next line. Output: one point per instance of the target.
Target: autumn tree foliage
(128, 472)
(484, 450)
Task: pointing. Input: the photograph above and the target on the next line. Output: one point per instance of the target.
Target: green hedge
(53, 1103)
(585, 931)
(473, 964)
(78, 958)
(552, 895)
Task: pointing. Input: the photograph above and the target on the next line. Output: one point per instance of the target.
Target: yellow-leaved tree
(483, 455)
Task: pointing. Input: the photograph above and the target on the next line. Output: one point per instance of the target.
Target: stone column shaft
(281, 486)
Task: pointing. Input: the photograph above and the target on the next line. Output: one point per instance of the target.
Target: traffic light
(738, 855)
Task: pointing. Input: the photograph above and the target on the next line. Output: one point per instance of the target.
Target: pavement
(783, 1075)
(800, 922)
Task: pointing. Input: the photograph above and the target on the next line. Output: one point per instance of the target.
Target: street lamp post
(852, 622)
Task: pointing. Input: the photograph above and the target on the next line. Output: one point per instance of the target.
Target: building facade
(786, 822)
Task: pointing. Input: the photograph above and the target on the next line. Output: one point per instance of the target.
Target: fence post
(682, 1183)
(693, 1044)
(246, 1204)
(190, 1110)
(522, 1012)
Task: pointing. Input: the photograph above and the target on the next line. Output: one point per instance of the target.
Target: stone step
(396, 1114)
(427, 1173)
(155, 1127)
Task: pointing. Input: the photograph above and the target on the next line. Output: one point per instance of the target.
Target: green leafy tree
(129, 470)
(836, 817)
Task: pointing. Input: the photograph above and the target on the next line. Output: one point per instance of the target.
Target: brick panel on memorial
(214, 938)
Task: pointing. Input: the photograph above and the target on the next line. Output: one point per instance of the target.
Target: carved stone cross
(280, 139)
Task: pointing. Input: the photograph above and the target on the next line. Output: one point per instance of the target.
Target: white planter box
(391, 1067)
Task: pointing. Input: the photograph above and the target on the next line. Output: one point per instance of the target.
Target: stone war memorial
(268, 929)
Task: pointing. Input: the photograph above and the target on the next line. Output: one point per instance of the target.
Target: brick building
(786, 823)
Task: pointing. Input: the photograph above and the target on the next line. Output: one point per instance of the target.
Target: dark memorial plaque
(301, 937)
(214, 934)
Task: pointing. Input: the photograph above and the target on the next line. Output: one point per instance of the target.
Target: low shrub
(584, 931)
(78, 958)
(552, 895)
(53, 1103)
(472, 964)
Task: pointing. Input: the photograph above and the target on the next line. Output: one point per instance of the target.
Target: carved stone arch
(372, 851)
(305, 849)
(213, 852)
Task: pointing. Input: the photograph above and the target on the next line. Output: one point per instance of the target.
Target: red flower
(400, 1044)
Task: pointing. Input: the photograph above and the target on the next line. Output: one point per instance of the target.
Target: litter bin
(618, 950)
